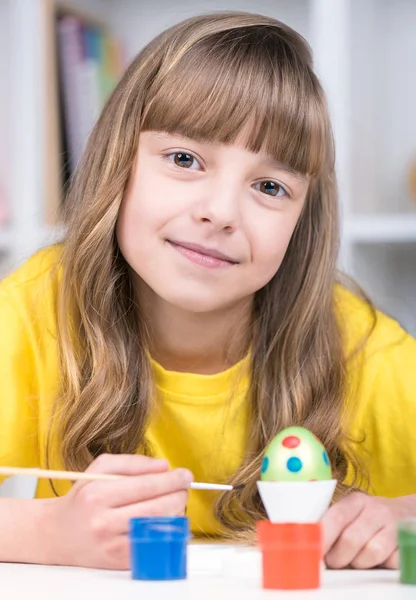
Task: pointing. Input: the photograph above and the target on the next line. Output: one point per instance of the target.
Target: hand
(91, 522)
(361, 531)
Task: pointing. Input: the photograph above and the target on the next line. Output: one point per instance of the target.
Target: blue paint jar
(158, 547)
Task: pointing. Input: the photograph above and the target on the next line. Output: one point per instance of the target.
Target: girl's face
(205, 225)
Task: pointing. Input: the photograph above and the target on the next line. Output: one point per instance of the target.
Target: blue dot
(265, 464)
(326, 459)
(294, 464)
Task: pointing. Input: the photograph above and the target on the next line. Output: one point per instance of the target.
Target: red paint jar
(292, 555)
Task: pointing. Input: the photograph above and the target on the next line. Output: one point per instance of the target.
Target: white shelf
(383, 228)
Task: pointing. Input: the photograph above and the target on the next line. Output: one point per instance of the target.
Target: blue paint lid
(159, 529)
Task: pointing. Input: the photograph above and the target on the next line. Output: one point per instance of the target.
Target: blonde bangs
(226, 87)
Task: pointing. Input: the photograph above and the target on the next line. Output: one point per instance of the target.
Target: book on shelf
(90, 63)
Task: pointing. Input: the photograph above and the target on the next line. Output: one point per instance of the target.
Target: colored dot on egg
(294, 464)
(265, 464)
(326, 460)
(291, 441)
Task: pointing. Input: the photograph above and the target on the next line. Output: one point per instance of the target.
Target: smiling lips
(207, 257)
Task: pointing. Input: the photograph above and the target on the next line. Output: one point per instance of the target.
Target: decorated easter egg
(295, 454)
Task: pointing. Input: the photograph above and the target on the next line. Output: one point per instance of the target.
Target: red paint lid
(289, 533)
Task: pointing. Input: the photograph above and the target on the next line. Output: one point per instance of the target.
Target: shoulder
(381, 355)
(29, 367)
(364, 328)
(381, 364)
(36, 279)
(381, 371)
(28, 296)
(40, 267)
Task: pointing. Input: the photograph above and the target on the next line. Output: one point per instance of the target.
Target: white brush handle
(210, 486)
(79, 475)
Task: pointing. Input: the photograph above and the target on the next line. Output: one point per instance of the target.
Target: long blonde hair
(207, 78)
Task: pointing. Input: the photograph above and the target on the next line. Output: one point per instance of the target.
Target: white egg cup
(296, 501)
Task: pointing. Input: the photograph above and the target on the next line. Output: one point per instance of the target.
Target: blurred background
(59, 61)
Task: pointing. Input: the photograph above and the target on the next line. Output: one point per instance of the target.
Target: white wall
(387, 272)
(364, 78)
(138, 22)
(396, 87)
(383, 111)
(4, 98)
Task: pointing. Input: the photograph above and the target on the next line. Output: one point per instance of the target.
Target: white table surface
(214, 572)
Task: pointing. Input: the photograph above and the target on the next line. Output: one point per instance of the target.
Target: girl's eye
(184, 160)
(271, 188)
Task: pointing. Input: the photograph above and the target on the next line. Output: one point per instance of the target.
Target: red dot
(313, 480)
(291, 442)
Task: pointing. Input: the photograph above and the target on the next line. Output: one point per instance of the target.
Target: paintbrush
(82, 476)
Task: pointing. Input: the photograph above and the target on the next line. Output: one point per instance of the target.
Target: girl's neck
(204, 343)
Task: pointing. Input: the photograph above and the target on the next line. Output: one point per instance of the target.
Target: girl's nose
(220, 209)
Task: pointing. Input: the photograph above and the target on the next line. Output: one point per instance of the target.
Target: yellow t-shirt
(197, 425)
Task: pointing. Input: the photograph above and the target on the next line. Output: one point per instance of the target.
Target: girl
(193, 311)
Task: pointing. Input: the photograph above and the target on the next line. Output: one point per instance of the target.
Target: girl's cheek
(271, 247)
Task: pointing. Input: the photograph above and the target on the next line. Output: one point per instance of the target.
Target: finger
(354, 538)
(378, 549)
(127, 464)
(341, 515)
(170, 505)
(393, 561)
(132, 490)
(351, 542)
